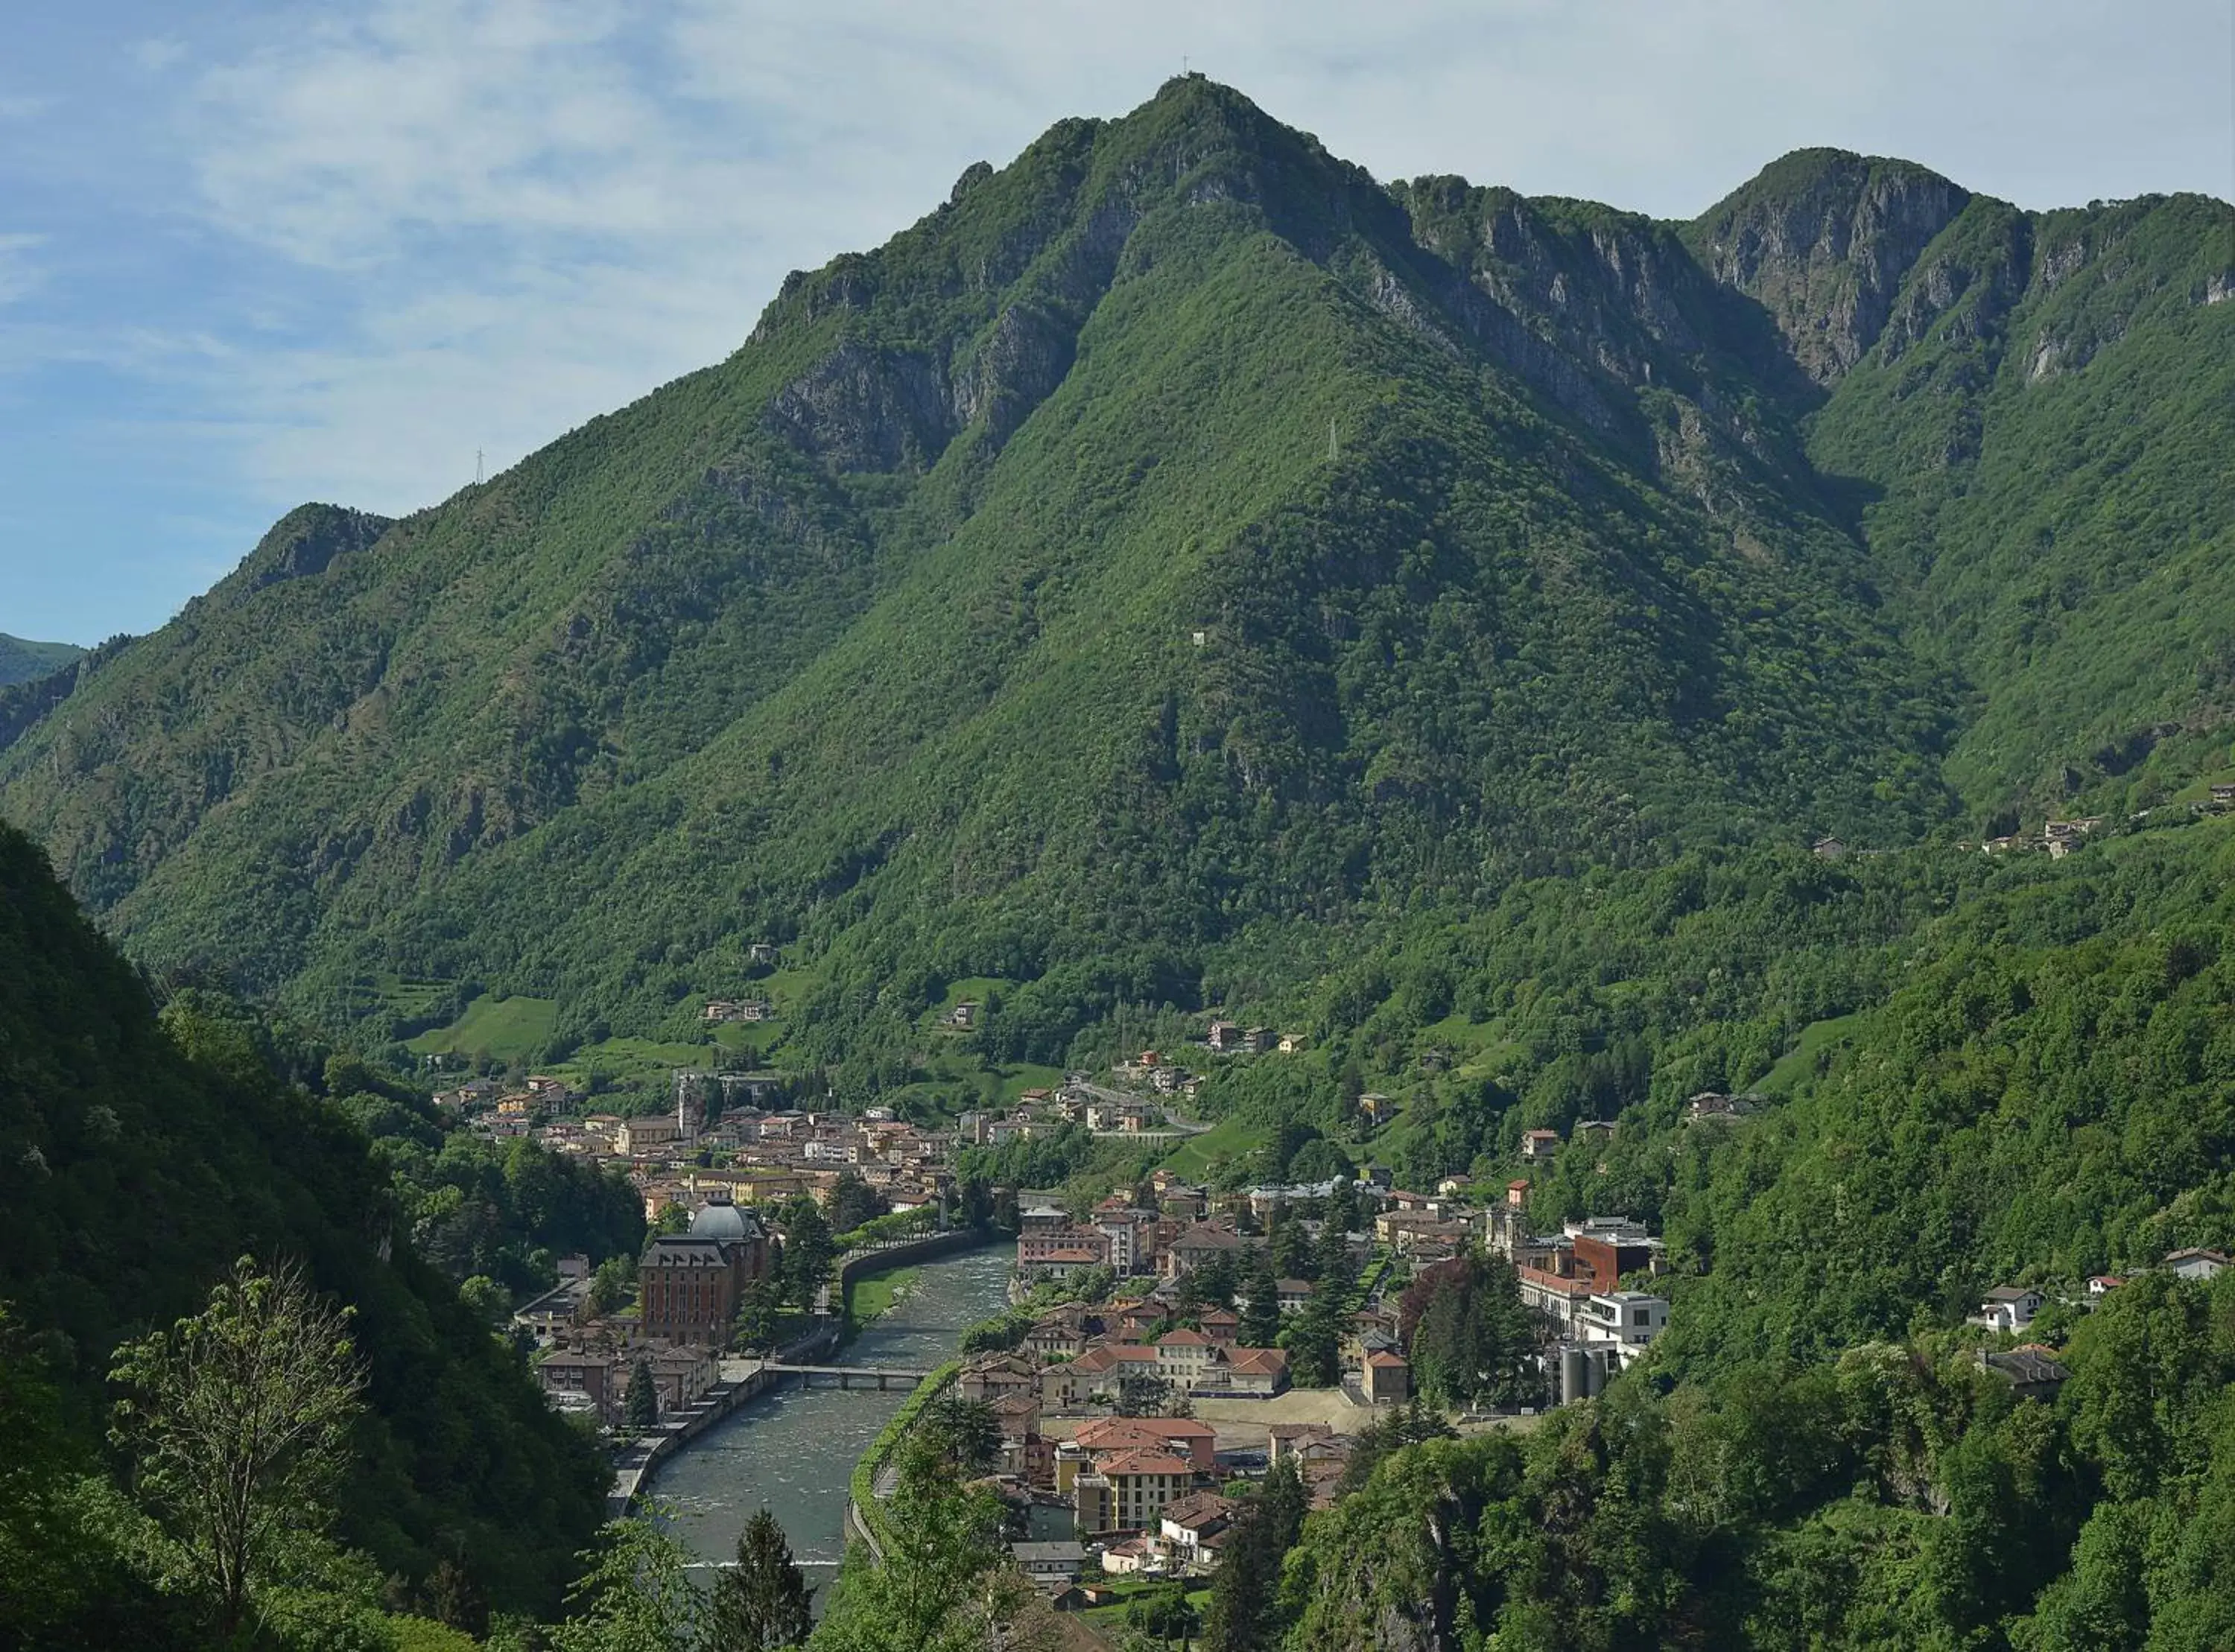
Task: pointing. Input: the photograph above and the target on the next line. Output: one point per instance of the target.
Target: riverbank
(872, 1297)
(793, 1449)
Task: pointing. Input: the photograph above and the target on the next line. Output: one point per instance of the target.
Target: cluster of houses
(1145, 1493)
(728, 1137)
(1041, 1112)
(1149, 1497)
(2059, 837)
(2032, 1368)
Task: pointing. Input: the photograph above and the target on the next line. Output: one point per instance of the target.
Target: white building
(1624, 1321)
(2008, 1307)
(2198, 1264)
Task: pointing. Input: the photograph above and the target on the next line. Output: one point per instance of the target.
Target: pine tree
(1343, 1205)
(1245, 1614)
(807, 1251)
(640, 1410)
(1331, 1258)
(1291, 1250)
(1260, 1321)
(762, 1602)
(757, 1308)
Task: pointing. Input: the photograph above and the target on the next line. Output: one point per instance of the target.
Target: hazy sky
(253, 253)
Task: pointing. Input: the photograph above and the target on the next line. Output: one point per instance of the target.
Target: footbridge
(849, 1376)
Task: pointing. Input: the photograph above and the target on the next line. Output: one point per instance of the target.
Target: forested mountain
(1182, 571)
(21, 661)
(144, 1155)
(1180, 546)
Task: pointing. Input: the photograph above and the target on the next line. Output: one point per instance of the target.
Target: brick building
(688, 1285)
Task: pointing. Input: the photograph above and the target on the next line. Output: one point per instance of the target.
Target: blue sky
(255, 253)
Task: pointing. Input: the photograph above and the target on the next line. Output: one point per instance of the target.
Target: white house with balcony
(2008, 1307)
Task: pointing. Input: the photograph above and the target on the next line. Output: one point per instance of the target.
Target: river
(794, 1450)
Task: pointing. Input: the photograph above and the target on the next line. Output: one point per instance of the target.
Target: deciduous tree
(238, 1420)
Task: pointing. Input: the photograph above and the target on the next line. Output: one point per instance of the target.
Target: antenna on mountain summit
(477, 468)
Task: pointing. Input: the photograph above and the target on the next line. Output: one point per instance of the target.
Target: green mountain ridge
(21, 662)
(147, 1153)
(1179, 549)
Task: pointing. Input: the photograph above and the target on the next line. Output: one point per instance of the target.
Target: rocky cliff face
(1822, 238)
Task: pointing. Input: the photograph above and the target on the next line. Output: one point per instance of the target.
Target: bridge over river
(851, 1376)
(794, 1449)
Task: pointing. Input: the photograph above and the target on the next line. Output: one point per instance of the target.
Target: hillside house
(1142, 1482)
(1247, 1373)
(2194, 1264)
(580, 1380)
(1537, 1146)
(1198, 1245)
(1098, 1374)
(2008, 1307)
(1183, 1357)
(2032, 1370)
(998, 1377)
(1051, 1565)
(1385, 1379)
(1221, 1325)
(1188, 1526)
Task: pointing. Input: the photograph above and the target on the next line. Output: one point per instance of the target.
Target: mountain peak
(304, 542)
(1822, 237)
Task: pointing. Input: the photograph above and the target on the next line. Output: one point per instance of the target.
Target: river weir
(794, 1449)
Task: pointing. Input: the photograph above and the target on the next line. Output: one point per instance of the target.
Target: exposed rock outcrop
(1823, 239)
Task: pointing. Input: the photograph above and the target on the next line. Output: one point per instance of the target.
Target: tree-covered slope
(1175, 540)
(145, 1156)
(2045, 421)
(20, 661)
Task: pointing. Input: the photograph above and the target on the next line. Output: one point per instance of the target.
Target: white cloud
(517, 215)
(19, 273)
(156, 55)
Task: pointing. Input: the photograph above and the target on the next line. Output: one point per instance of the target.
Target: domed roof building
(719, 1220)
(688, 1283)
